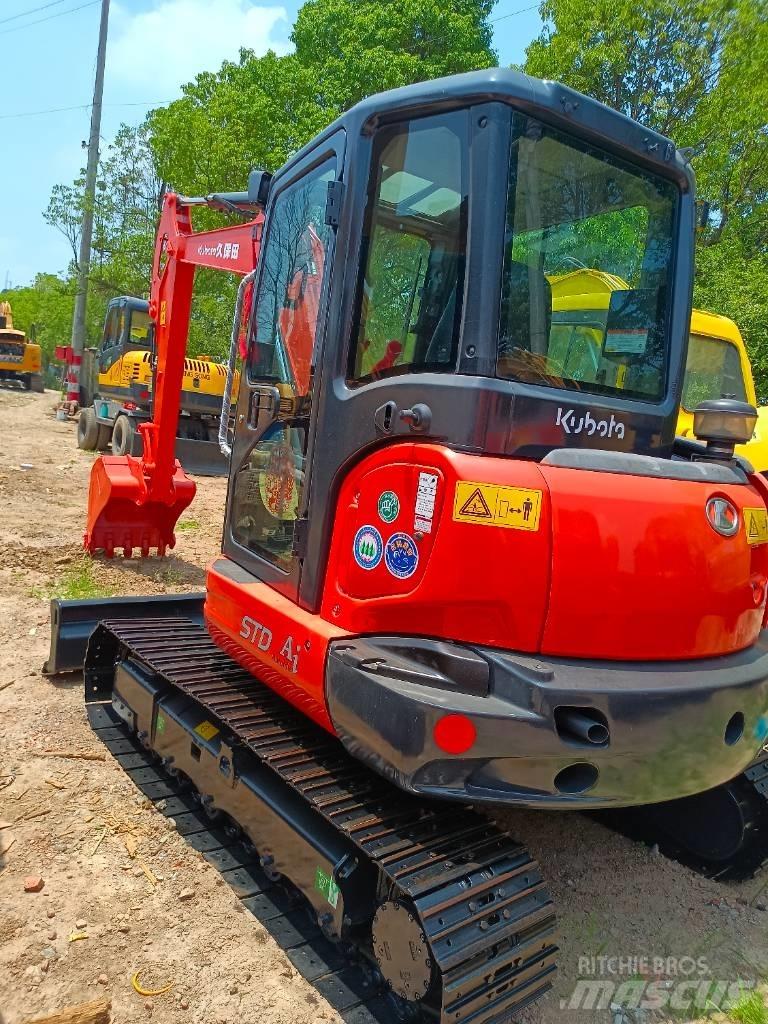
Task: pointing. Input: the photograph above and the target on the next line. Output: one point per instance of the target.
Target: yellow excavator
(717, 365)
(20, 358)
(116, 392)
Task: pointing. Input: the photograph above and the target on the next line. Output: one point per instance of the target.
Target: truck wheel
(36, 382)
(87, 430)
(104, 436)
(26, 381)
(123, 434)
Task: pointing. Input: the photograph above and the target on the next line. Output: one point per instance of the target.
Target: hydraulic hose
(226, 402)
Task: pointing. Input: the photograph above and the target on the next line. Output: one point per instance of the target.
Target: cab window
(139, 330)
(571, 208)
(414, 247)
(712, 370)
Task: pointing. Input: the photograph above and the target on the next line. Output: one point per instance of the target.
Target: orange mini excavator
(450, 572)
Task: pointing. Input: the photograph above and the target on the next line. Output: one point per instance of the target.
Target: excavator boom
(136, 502)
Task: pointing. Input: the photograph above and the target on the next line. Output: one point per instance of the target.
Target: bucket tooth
(125, 513)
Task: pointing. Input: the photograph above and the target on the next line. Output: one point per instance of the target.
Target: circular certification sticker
(389, 506)
(368, 547)
(401, 555)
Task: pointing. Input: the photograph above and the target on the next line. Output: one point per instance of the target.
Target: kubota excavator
(451, 573)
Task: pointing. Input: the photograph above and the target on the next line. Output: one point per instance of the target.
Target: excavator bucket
(124, 513)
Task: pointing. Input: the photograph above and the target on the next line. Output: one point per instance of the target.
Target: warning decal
(518, 508)
(207, 730)
(756, 525)
(476, 506)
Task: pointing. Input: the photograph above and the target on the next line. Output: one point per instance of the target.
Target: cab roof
(556, 104)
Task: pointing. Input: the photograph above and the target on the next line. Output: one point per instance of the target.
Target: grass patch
(187, 524)
(750, 1009)
(78, 581)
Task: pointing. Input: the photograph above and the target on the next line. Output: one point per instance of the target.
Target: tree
(360, 47)
(127, 201)
(257, 112)
(698, 72)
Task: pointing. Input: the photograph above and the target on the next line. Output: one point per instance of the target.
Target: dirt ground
(103, 914)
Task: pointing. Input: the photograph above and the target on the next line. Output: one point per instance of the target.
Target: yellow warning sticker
(518, 508)
(207, 730)
(756, 525)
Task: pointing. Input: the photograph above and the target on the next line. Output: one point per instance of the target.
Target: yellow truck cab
(116, 392)
(20, 358)
(717, 365)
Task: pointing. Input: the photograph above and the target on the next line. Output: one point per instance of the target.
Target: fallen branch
(82, 755)
(99, 841)
(147, 871)
(31, 815)
(97, 1012)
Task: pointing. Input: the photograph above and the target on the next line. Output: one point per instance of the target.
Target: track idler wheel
(402, 951)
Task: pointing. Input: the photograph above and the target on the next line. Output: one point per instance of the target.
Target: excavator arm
(136, 502)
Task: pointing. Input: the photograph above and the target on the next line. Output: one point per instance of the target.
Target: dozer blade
(200, 458)
(123, 512)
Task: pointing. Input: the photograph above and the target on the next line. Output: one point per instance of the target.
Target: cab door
(110, 349)
(269, 477)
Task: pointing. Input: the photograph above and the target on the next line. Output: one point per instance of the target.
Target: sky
(47, 63)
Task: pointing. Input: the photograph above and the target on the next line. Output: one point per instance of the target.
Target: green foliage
(359, 47)
(256, 112)
(187, 525)
(750, 1009)
(728, 281)
(696, 71)
(44, 311)
(78, 581)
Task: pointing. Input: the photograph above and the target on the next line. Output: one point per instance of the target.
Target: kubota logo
(587, 424)
(224, 250)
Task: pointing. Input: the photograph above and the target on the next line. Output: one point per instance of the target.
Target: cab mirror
(258, 186)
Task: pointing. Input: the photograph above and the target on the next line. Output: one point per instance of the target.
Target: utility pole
(86, 233)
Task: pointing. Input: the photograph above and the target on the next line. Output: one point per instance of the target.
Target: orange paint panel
(472, 582)
(273, 638)
(639, 573)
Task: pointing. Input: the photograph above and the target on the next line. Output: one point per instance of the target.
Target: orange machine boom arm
(136, 502)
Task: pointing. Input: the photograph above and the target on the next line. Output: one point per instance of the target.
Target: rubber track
(480, 898)
(658, 825)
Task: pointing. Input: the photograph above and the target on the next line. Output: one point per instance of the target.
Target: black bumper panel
(673, 728)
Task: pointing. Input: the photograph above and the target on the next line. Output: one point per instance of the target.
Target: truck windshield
(139, 330)
(574, 207)
(713, 370)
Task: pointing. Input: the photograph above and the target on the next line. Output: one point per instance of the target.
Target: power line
(32, 10)
(512, 14)
(82, 106)
(50, 17)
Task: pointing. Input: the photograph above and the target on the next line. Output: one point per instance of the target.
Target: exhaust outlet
(582, 726)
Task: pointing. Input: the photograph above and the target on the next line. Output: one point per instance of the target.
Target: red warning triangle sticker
(476, 505)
